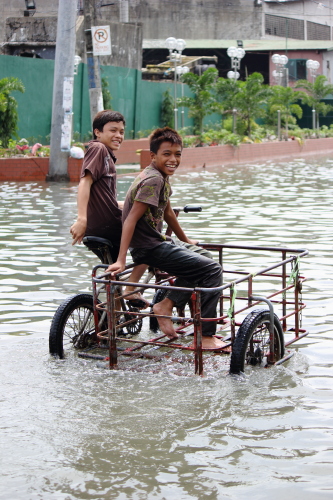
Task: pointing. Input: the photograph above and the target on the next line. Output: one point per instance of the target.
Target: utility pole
(63, 69)
(123, 11)
(94, 76)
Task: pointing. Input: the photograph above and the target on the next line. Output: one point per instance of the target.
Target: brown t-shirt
(103, 214)
(152, 188)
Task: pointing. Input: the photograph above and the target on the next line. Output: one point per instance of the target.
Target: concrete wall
(193, 19)
(33, 35)
(220, 156)
(307, 10)
(197, 19)
(126, 45)
(317, 12)
(15, 8)
(30, 169)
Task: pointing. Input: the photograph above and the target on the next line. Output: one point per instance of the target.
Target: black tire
(72, 325)
(251, 345)
(132, 328)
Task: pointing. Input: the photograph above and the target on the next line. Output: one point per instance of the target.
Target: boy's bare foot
(136, 299)
(165, 324)
(211, 343)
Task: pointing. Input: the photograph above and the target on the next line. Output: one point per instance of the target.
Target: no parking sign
(101, 39)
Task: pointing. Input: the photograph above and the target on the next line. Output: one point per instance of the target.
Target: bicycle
(74, 323)
(260, 340)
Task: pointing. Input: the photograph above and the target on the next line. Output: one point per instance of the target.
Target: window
(297, 69)
(284, 27)
(318, 31)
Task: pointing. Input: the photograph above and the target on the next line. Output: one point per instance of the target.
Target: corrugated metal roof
(249, 45)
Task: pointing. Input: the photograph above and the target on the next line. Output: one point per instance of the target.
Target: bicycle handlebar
(188, 209)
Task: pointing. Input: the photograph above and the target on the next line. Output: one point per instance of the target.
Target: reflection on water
(73, 430)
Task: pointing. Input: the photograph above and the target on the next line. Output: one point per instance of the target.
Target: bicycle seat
(100, 246)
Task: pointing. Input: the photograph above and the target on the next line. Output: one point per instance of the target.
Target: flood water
(70, 429)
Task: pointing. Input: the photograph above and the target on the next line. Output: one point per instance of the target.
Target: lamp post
(313, 66)
(175, 47)
(235, 54)
(182, 70)
(280, 62)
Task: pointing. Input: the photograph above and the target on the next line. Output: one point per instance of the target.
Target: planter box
(34, 168)
(215, 156)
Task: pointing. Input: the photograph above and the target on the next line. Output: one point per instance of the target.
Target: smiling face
(112, 135)
(167, 158)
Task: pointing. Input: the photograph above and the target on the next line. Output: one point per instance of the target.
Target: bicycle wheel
(72, 325)
(132, 328)
(252, 345)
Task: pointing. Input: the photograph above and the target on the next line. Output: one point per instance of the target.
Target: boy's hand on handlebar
(78, 230)
(116, 268)
(192, 242)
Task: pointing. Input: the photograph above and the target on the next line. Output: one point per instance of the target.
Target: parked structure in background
(300, 29)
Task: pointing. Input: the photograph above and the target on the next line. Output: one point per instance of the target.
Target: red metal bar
(284, 296)
(110, 293)
(232, 313)
(198, 364)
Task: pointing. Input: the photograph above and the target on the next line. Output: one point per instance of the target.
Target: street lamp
(182, 70)
(175, 47)
(313, 66)
(280, 62)
(235, 54)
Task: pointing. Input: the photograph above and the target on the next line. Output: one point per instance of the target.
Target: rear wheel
(252, 343)
(134, 327)
(72, 325)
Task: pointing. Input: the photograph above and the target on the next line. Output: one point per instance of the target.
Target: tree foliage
(8, 108)
(202, 103)
(226, 90)
(285, 99)
(167, 110)
(106, 93)
(315, 92)
(251, 98)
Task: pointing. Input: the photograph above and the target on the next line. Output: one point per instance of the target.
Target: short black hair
(105, 116)
(165, 134)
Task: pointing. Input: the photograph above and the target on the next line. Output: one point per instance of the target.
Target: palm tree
(202, 103)
(251, 98)
(285, 99)
(8, 108)
(226, 94)
(315, 92)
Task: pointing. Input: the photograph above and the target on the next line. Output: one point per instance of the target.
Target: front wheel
(72, 325)
(252, 343)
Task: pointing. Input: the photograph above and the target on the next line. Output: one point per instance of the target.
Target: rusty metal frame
(101, 283)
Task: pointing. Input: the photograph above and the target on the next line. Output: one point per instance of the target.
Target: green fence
(138, 100)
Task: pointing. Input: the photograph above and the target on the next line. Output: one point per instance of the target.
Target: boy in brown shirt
(99, 212)
(146, 205)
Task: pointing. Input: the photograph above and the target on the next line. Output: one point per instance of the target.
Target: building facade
(301, 29)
